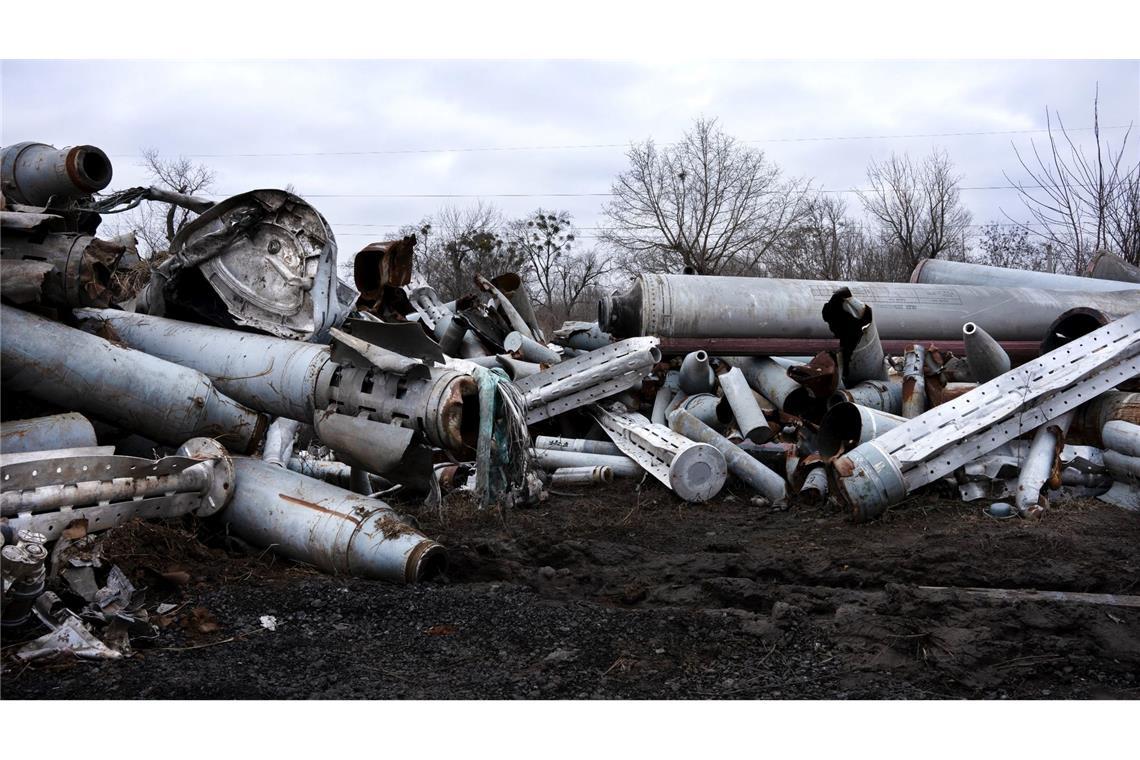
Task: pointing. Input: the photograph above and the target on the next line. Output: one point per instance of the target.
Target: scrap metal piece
(138, 392)
(59, 431)
(758, 477)
(34, 173)
(705, 407)
(814, 489)
(515, 369)
(278, 448)
(590, 377)
(847, 425)
(348, 349)
(1088, 426)
(696, 376)
(775, 316)
(853, 323)
(881, 472)
(523, 347)
(1109, 266)
(750, 419)
(23, 574)
(583, 445)
(265, 259)
(82, 266)
(581, 476)
(582, 336)
(883, 395)
(661, 402)
(511, 286)
(399, 454)
(556, 459)
(770, 379)
(1122, 467)
(1041, 466)
(987, 359)
(946, 272)
(1122, 436)
(914, 382)
(380, 268)
(330, 528)
(695, 471)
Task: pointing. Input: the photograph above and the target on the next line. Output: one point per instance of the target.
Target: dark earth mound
(630, 593)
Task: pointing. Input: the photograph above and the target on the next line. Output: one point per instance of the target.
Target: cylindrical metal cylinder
(768, 377)
(273, 375)
(134, 390)
(914, 382)
(847, 425)
(59, 431)
(1109, 266)
(704, 406)
(552, 459)
(336, 473)
(526, 348)
(333, 529)
(1040, 464)
(877, 394)
(581, 476)
(757, 476)
(676, 306)
(986, 358)
(278, 448)
(661, 403)
(696, 375)
(34, 173)
(583, 445)
(1093, 416)
(814, 489)
(1122, 436)
(945, 272)
(1122, 467)
(750, 420)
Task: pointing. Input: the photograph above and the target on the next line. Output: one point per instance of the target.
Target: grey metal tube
(986, 358)
(767, 377)
(195, 479)
(515, 369)
(847, 425)
(757, 476)
(34, 173)
(1039, 464)
(583, 445)
(696, 375)
(274, 375)
(1122, 467)
(59, 431)
(526, 348)
(278, 448)
(704, 407)
(877, 394)
(337, 473)
(134, 390)
(660, 403)
(944, 272)
(677, 306)
(814, 489)
(581, 476)
(551, 459)
(914, 382)
(333, 529)
(852, 322)
(1093, 416)
(750, 419)
(1122, 436)
(1109, 266)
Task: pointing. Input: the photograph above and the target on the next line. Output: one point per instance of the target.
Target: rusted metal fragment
(29, 223)
(822, 376)
(83, 264)
(380, 270)
(852, 322)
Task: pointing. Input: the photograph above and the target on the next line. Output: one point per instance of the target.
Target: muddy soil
(628, 593)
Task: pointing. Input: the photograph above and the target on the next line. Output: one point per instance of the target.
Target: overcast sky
(345, 106)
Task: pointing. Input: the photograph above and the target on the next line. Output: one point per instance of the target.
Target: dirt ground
(629, 593)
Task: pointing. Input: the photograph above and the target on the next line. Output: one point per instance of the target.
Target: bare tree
(155, 224)
(1013, 247)
(918, 209)
(560, 277)
(1081, 203)
(457, 243)
(825, 244)
(708, 203)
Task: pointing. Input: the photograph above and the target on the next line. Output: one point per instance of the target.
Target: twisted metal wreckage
(245, 381)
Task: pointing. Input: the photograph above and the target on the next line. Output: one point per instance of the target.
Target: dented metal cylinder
(750, 419)
(986, 358)
(914, 382)
(1109, 266)
(526, 348)
(1122, 436)
(847, 425)
(705, 407)
(59, 431)
(584, 445)
(34, 173)
(1040, 464)
(328, 527)
(134, 390)
(769, 378)
(554, 459)
(881, 395)
(1122, 467)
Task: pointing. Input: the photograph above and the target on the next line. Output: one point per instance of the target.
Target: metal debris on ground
(243, 382)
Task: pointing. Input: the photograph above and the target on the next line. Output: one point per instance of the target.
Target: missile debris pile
(244, 383)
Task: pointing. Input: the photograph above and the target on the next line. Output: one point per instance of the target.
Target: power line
(592, 146)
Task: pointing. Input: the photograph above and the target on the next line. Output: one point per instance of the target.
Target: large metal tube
(333, 529)
(945, 272)
(35, 173)
(134, 390)
(848, 425)
(59, 431)
(554, 459)
(750, 420)
(677, 306)
(273, 375)
(986, 358)
(757, 476)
